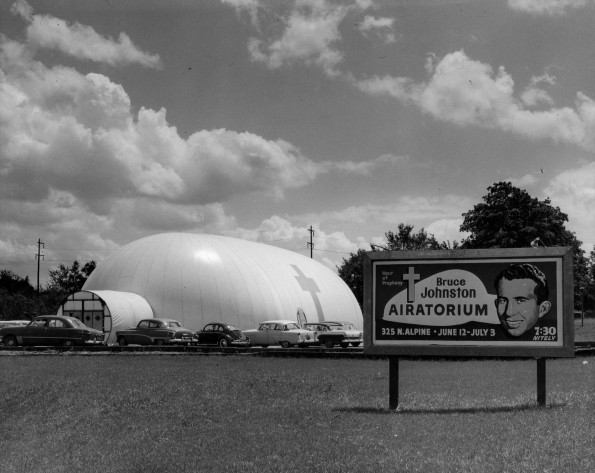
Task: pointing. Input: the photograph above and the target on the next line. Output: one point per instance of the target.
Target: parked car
(280, 332)
(51, 330)
(223, 335)
(330, 334)
(155, 332)
(12, 323)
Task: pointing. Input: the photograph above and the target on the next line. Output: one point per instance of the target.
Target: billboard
(496, 302)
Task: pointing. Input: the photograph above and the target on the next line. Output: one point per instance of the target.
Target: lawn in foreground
(186, 413)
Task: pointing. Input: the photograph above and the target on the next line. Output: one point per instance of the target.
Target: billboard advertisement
(509, 302)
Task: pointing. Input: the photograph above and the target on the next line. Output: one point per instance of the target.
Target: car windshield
(347, 327)
(174, 324)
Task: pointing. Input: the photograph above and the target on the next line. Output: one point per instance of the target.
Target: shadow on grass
(456, 410)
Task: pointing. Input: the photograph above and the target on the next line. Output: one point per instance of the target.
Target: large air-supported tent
(197, 278)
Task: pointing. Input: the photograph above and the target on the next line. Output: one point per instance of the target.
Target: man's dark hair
(526, 271)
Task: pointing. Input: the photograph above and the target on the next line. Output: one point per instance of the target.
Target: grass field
(584, 330)
(187, 413)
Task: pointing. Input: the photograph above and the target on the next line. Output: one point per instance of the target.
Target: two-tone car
(330, 334)
(286, 333)
(223, 335)
(155, 332)
(51, 330)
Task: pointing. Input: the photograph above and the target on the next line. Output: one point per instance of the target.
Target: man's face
(517, 306)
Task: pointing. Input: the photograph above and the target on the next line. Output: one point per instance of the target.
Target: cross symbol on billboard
(309, 285)
(411, 277)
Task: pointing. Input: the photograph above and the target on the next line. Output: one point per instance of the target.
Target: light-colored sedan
(280, 332)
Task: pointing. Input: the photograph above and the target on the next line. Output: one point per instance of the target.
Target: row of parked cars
(68, 331)
(285, 333)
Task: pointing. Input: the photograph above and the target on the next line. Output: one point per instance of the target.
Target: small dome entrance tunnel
(107, 311)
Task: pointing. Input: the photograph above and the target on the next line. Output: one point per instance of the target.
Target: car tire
(329, 344)
(356, 344)
(159, 342)
(122, 342)
(67, 343)
(223, 343)
(285, 344)
(10, 341)
(344, 345)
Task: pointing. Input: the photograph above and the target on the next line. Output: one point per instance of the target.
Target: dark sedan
(223, 335)
(155, 332)
(51, 330)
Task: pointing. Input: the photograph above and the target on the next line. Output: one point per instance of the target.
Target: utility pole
(311, 244)
(38, 256)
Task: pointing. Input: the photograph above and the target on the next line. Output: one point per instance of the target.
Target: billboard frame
(563, 257)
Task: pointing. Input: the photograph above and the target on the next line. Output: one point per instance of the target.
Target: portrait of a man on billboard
(521, 298)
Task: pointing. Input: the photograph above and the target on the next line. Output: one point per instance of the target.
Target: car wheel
(344, 345)
(67, 343)
(223, 343)
(329, 344)
(264, 346)
(10, 341)
(159, 342)
(285, 344)
(356, 344)
(122, 342)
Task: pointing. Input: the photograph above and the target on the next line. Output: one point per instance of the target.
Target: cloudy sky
(261, 118)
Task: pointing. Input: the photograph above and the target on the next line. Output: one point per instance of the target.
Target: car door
(260, 336)
(58, 332)
(139, 335)
(158, 331)
(207, 335)
(36, 332)
(219, 333)
(276, 334)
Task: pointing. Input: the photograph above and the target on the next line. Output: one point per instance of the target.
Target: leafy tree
(509, 217)
(589, 294)
(405, 239)
(66, 280)
(351, 271)
(13, 283)
(17, 297)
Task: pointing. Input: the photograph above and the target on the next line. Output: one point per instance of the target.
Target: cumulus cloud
(467, 92)
(67, 131)
(311, 31)
(546, 7)
(382, 26)
(80, 41)
(574, 192)
(73, 155)
(528, 180)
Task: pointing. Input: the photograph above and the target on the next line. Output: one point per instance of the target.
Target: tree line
(508, 217)
(20, 301)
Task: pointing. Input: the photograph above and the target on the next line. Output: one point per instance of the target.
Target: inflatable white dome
(197, 279)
